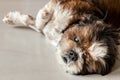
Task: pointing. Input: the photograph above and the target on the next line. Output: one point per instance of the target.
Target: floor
(26, 55)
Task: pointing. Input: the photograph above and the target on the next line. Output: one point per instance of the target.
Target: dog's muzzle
(70, 56)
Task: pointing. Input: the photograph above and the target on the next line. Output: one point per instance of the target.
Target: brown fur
(89, 25)
(113, 9)
(101, 8)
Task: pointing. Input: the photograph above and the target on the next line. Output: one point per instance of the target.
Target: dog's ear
(108, 31)
(114, 34)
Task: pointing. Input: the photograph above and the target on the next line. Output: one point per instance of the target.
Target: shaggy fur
(85, 32)
(95, 46)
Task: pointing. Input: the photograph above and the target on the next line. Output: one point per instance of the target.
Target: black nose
(70, 56)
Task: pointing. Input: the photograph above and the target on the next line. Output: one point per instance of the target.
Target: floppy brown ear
(108, 31)
(113, 33)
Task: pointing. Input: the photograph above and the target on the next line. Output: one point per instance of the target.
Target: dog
(84, 32)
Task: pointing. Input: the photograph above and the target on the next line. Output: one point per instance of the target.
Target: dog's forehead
(80, 32)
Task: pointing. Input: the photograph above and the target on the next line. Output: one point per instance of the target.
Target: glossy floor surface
(26, 55)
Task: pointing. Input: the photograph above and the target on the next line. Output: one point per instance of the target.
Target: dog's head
(87, 49)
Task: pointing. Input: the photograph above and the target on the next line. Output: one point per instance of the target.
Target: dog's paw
(8, 19)
(16, 17)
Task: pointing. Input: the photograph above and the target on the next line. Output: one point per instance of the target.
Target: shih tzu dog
(84, 32)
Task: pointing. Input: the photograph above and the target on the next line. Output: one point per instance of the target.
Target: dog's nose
(71, 56)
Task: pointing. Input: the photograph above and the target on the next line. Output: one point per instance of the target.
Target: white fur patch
(54, 28)
(44, 15)
(72, 69)
(16, 17)
(62, 17)
(97, 51)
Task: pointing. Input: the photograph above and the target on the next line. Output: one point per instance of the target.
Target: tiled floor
(26, 55)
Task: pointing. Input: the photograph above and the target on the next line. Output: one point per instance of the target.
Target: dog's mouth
(72, 62)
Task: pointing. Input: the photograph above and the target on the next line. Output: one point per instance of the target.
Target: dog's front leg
(37, 24)
(55, 27)
(16, 17)
(44, 15)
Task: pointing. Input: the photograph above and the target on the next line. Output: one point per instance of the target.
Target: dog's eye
(75, 39)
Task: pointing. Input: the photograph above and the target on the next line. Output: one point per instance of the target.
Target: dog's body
(85, 43)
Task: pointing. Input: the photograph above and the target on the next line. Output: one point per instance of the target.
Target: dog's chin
(73, 68)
